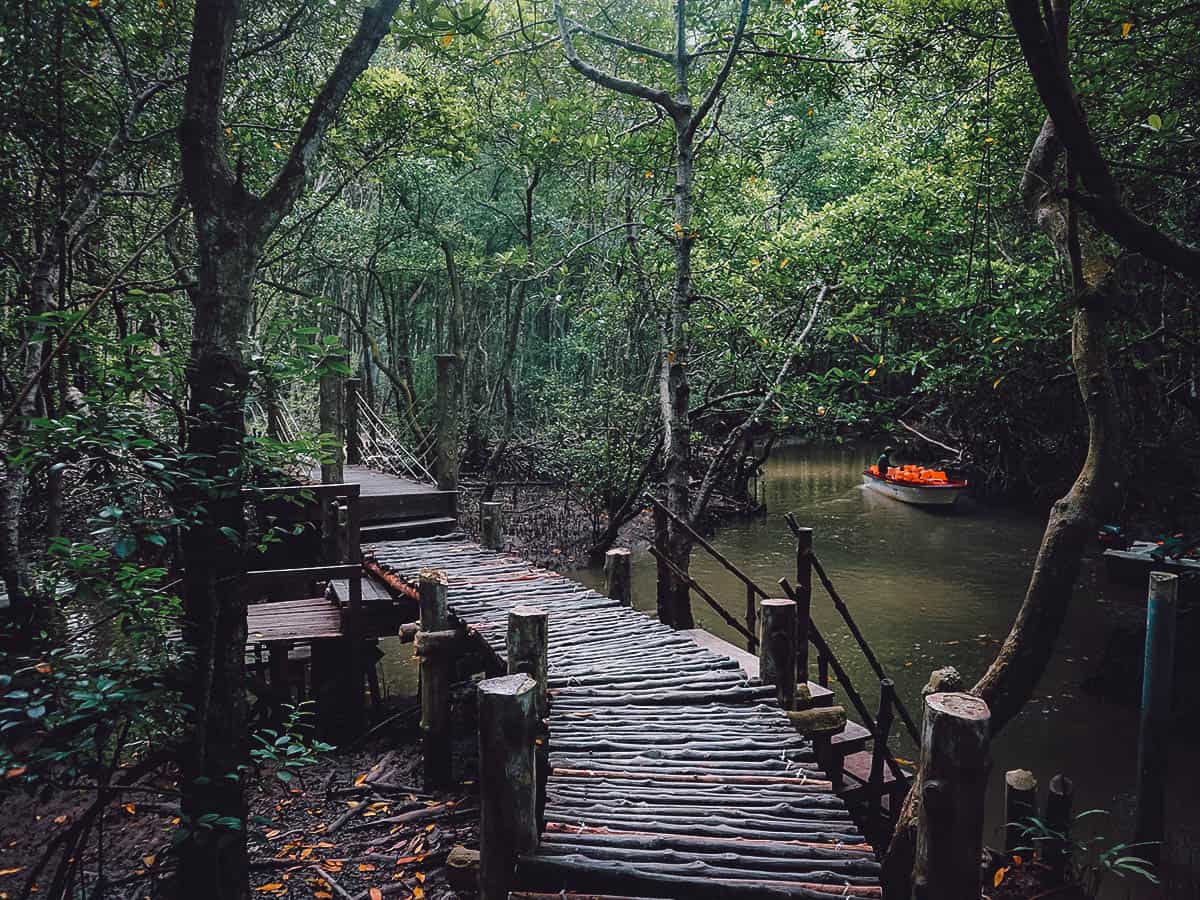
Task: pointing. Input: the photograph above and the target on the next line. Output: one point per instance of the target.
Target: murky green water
(931, 589)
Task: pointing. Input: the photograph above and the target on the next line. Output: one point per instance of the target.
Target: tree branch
(605, 79)
(1101, 196)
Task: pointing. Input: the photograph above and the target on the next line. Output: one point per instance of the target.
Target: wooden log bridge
(671, 772)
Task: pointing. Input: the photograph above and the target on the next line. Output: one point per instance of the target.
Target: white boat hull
(918, 495)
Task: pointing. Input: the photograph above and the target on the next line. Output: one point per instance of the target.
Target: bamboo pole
(1155, 722)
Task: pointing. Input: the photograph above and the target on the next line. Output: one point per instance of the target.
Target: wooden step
(857, 772)
(407, 528)
(852, 739)
(384, 508)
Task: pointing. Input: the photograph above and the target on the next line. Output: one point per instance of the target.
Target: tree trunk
(212, 859)
(674, 391)
(1014, 673)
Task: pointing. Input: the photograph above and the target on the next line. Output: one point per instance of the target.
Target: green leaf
(1154, 120)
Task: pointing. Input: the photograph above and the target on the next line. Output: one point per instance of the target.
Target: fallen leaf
(999, 876)
(149, 859)
(322, 895)
(360, 780)
(11, 871)
(418, 892)
(1126, 27)
(58, 820)
(376, 894)
(273, 833)
(130, 808)
(366, 867)
(43, 668)
(15, 772)
(273, 887)
(421, 877)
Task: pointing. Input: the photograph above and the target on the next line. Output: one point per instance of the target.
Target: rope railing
(383, 449)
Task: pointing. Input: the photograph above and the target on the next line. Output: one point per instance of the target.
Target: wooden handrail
(730, 620)
(712, 551)
(844, 611)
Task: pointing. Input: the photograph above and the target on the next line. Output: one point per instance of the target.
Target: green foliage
(290, 748)
(1094, 859)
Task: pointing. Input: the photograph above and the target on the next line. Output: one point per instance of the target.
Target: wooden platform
(391, 506)
(673, 772)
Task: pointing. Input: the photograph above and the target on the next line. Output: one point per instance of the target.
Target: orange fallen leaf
(360, 780)
(149, 859)
(59, 820)
(11, 871)
(418, 892)
(15, 772)
(272, 888)
(376, 894)
(322, 895)
(306, 852)
(999, 876)
(130, 808)
(366, 867)
(43, 668)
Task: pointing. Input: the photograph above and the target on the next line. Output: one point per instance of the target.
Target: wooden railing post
(525, 647)
(1154, 725)
(777, 648)
(491, 525)
(433, 645)
(804, 546)
(1060, 798)
(618, 575)
(955, 739)
(331, 414)
(1020, 804)
(353, 443)
(508, 823)
(447, 422)
(751, 615)
(879, 741)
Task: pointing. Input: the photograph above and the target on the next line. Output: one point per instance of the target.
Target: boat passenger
(884, 462)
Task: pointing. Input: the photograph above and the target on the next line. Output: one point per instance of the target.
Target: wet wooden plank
(672, 770)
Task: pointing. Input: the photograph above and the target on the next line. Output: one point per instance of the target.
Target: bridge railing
(879, 723)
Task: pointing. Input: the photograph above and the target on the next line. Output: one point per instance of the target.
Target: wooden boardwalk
(672, 773)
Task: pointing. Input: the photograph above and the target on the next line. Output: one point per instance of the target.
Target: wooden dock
(673, 772)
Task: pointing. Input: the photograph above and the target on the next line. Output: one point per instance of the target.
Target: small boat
(916, 485)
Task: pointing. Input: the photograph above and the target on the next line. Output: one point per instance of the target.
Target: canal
(932, 589)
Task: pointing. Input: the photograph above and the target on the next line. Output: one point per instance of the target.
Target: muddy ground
(358, 824)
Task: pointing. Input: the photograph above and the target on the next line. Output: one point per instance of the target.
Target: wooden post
(435, 677)
(1020, 804)
(751, 615)
(879, 741)
(353, 445)
(618, 576)
(526, 650)
(331, 416)
(1059, 799)
(508, 823)
(1155, 722)
(954, 762)
(803, 594)
(447, 423)
(777, 648)
(491, 525)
